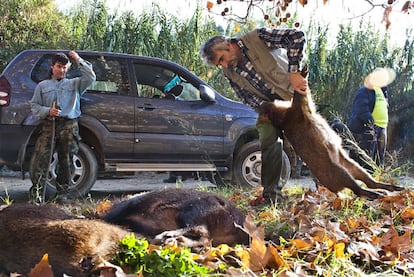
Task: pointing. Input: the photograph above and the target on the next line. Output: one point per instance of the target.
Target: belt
(62, 119)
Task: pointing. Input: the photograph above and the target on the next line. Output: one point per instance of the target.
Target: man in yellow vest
(262, 65)
(369, 117)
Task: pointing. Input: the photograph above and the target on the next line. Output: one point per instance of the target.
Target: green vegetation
(337, 65)
(315, 233)
(137, 257)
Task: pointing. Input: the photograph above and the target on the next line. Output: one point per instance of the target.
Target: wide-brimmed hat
(380, 77)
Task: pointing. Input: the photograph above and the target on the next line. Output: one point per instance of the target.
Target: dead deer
(320, 147)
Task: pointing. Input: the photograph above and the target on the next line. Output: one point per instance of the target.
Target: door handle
(146, 107)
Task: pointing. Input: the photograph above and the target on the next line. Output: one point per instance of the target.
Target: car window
(158, 82)
(111, 73)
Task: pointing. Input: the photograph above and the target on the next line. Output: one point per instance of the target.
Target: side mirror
(207, 94)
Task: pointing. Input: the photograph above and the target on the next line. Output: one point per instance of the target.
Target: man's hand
(73, 55)
(54, 112)
(299, 83)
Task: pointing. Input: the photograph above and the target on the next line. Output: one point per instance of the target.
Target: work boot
(273, 198)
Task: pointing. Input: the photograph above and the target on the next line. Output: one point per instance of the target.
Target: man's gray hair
(209, 48)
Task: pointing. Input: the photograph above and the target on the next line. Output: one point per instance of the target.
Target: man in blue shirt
(369, 117)
(57, 102)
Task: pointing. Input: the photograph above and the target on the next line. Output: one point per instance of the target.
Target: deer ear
(305, 71)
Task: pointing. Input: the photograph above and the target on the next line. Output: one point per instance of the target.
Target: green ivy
(136, 257)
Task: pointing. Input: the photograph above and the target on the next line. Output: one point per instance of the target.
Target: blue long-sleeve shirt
(66, 93)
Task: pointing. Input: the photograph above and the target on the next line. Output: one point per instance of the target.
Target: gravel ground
(13, 186)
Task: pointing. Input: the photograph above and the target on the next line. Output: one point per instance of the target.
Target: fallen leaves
(42, 269)
(328, 234)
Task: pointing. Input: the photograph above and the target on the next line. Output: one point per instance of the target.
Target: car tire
(84, 174)
(248, 163)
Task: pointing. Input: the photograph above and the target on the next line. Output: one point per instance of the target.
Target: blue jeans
(271, 146)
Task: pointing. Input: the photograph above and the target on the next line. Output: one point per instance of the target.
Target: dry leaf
(250, 228)
(110, 270)
(352, 224)
(209, 5)
(274, 259)
(339, 250)
(367, 251)
(103, 207)
(266, 215)
(257, 253)
(303, 2)
(407, 213)
(407, 7)
(42, 269)
(244, 257)
(336, 232)
(394, 243)
(337, 204)
(386, 17)
(301, 244)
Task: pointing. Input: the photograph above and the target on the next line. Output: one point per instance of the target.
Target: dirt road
(13, 186)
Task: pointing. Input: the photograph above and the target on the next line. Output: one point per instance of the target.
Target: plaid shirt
(291, 39)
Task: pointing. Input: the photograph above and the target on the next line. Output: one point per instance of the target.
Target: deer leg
(360, 173)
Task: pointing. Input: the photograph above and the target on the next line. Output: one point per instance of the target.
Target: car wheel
(248, 165)
(84, 175)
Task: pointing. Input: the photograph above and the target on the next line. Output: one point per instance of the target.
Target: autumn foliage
(276, 12)
(314, 233)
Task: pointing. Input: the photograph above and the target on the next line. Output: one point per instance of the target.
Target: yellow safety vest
(380, 112)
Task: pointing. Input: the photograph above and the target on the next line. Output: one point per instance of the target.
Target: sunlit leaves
(407, 7)
(276, 12)
(209, 5)
(331, 234)
(42, 269)
(386, 17)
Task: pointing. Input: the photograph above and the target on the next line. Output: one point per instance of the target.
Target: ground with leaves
(312, 233)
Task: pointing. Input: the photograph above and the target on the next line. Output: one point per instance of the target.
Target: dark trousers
(373, 142)
(380, 145)
(271, 146)
(66, 145)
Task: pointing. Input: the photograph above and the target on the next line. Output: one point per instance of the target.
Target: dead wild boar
(74, 246)
(320, 147)
(155, 212)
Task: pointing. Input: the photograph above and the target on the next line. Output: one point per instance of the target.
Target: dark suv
(141, 114)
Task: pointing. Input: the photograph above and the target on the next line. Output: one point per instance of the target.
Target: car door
(174, 125)
(108, 106)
